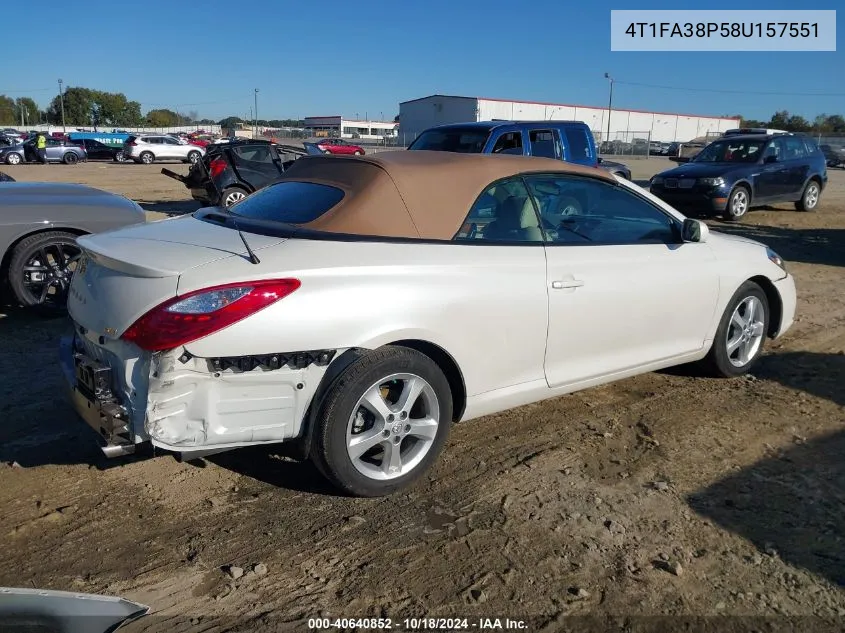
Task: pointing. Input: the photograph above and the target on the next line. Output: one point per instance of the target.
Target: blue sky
(330, 57)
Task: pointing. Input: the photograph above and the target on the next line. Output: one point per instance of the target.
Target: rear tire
(810, 198)
(738, 204)
(193, 157)
(413, 434)
(231, 195)
(70, 158)
(147, 158)
(738, 345)
(119, 157)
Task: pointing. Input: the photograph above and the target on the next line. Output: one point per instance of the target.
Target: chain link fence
(629, 143)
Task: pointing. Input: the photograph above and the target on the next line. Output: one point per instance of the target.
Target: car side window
(509, 143)
(795, 148)
(545, 143)
(503, 213)
(576, 210)
(579, 145)
(254, 153)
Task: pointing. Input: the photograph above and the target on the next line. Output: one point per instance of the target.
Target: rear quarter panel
(484, 305)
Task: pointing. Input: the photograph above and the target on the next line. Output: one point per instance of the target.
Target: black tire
(147, 158)
(718, 362)
(70, 158)
(23, 253)
(810, 198)
(13, 158)
(329, 449)
(119, 157)
(739, 202)
(193, 157)
(231, 195)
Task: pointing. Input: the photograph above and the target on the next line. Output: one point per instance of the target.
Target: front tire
(741, 333)
(738, 204)
(13, 158)
(810, 198)
(383, 422)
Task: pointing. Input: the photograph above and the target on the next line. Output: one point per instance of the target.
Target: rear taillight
(216, 167)
(184, 319)
(132, 143)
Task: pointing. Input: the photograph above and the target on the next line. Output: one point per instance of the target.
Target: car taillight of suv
(216, 167)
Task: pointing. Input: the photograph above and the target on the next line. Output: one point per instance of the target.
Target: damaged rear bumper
(186, 404)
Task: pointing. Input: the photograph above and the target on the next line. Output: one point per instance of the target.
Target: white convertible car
(361, 305)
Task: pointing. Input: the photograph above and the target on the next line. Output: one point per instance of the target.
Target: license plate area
(93, 379)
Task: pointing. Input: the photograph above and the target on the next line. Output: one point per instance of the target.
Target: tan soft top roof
(413, 194)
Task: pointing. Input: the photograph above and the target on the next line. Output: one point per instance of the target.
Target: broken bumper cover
(187, 404)
(89, 384)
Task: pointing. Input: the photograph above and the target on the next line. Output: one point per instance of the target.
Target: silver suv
(149, 148)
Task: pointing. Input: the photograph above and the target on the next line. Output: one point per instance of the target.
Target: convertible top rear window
(290, 202)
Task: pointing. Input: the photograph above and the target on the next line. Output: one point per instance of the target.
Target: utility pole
(62, 101)
(609, 105)
(255, 132)
(20, 107)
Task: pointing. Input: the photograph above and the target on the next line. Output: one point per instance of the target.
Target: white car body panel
(493, 309)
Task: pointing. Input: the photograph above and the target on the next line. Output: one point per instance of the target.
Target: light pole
(62, 101)
(255, 132)
(609, 105)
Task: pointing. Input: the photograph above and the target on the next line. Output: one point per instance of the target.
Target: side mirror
(694, 231)
(771, 158)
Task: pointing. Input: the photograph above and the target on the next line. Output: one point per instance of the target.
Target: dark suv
(230, 171)
(734, 173)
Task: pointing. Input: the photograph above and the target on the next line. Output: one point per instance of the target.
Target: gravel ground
(668, 494)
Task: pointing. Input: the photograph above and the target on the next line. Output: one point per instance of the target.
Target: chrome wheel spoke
(411, 391)
(424, 428)
(375, 403)
(391, 461)
(363, 442)
(734, 343)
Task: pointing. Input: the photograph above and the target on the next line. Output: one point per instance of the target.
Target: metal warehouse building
(418, 114)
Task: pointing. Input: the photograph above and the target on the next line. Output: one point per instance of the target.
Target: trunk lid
(125, 273)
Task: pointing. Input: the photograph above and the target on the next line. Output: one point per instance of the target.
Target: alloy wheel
(47, 273)
(393, 426)
(745, 331)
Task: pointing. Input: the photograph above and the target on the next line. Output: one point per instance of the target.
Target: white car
(148, 148)
(361, 305)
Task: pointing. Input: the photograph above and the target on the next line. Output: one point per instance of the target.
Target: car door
(256, 165)
(502, 264)
(797, 162)
(624, 291)
(771, 181)
(173, 148)
(55, 149)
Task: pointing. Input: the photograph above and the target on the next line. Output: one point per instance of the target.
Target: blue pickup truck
(571, 141)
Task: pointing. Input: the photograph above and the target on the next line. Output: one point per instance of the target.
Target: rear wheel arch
(4, 262)
(302, 446)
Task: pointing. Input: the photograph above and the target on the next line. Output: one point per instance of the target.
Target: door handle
(568, 283)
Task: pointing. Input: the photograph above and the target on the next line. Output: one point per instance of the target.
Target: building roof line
(573, 105)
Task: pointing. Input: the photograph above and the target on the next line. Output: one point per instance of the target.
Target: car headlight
(711, 182)
(656, 180)
(776, 259)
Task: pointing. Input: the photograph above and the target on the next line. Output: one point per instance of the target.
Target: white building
(337, 126)
(418, 114)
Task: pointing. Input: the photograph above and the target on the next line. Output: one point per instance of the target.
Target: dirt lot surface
(667, 494)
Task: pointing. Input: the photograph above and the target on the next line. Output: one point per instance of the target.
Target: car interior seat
(515, 221)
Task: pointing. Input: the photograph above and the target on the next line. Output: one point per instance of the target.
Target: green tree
(7, 110)
(162, 118)
(31, 112)
(115, 109)
(79, 105)
(230, 121)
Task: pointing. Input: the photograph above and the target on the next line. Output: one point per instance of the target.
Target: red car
(339, 146)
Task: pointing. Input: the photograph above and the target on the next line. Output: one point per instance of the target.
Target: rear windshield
(290, 202)
(462, 140)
